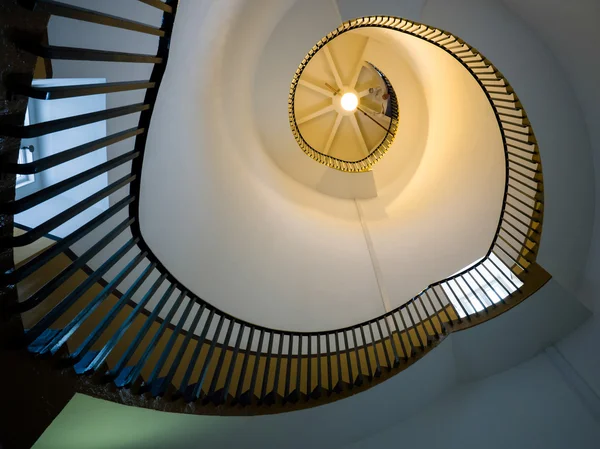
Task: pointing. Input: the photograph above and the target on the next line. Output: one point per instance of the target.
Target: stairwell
(466, 358)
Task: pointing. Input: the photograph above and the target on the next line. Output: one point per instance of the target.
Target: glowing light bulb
(349, 102)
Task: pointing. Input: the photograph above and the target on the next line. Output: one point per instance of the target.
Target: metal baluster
(406, 354)
(183, 387)
(169, 347)
(463, 294)
(472, 291)
(86, 54)
(359, 378)
(110, 345)
(458, 318)
(298, 370)
(514, 259)
(219, 367)
(435, 332)
(508, 292)
(308, 368)
(250, 392)
(44, 292)
(490, 285)
(392, 343)
(35, 263)
(288, 370)
(519, 242)
(520, 253)
(161, 385)
(65, 333)
(32, 335)
(482, 288)
(329, 373)
(467, 315)
(88, 15)
(263, 391)
(79, 90)
(43, 195)
(340, 377)
(406, 331)
(319, 383)
(442, 308)
(111, 315)
(62, 124)
(240, 385)
(198, 387)
(385, 350)
(527, 215)
(126, 376)
(63, 217)
(538, 201)
(504, 275)
(236, 350)
(524, 184)
(377, 372)
(414, 324)
(422, 321)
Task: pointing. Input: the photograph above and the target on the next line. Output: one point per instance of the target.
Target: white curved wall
(240, 233)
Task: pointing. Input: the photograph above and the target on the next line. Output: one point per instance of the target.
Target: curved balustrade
(218, 358)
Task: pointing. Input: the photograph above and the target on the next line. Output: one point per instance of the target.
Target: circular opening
(345, 119)
(349, 102)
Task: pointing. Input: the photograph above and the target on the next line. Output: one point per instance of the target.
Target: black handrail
(306, 364)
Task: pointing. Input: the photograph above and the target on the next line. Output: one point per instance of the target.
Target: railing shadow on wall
(184, 347)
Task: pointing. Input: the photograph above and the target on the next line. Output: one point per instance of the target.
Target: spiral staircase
(103, 307)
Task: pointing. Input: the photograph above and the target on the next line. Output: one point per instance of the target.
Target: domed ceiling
(343, 110)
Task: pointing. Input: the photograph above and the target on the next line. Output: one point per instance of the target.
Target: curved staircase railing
(183, 347)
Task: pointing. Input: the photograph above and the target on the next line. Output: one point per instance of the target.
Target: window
(25, 157)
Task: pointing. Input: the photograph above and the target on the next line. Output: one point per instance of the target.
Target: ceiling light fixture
(349, 102)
